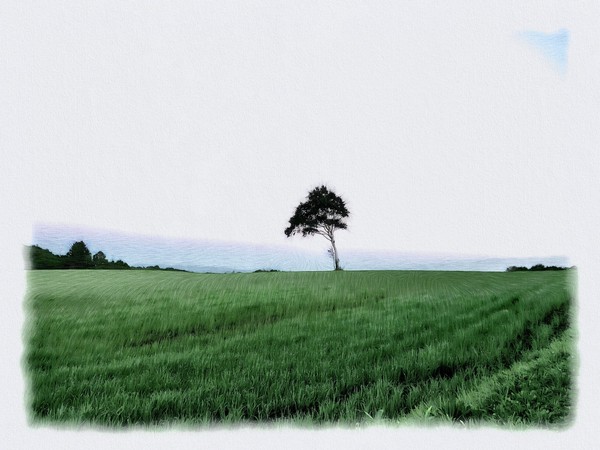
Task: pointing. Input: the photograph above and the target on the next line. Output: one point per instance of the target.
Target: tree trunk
(336, 260)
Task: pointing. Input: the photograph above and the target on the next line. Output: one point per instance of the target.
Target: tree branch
(325, 235)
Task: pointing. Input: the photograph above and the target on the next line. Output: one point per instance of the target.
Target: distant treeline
(79, 257)
(537, 267)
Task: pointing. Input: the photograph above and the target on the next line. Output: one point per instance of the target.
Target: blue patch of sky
(219, 256)
(553, 46)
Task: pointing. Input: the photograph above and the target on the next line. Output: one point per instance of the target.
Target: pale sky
(443, 129)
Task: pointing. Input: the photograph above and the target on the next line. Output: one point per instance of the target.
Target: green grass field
(119, 348)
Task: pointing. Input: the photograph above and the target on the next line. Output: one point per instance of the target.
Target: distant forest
(535, 268)
(79, 257)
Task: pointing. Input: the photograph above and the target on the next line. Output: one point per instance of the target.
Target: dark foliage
(79, 257)
(536, 268)
(99, 259)
(41, 258)
(119, 264)
(323, 209)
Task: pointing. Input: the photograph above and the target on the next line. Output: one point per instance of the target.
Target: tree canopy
(99, 259)
(322, 213)
(79, 256)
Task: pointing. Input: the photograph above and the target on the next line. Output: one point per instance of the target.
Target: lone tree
(322, 213)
